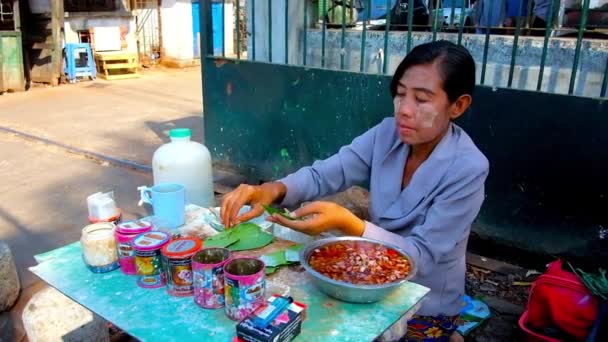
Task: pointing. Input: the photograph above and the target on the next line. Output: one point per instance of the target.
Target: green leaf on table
(221, 240)
(292, 254)
(274, 259)
(250, 236)
(285, 213)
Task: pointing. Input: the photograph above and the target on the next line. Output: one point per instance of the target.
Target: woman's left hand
(319, 217)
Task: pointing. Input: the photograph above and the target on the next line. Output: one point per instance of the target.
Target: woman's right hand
(255, 196)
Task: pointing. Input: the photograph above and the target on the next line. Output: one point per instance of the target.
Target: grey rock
(50, 316)
(9, 280)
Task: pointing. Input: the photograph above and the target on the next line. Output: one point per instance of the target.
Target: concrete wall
(178, 36)
(176, 18)
(556, 75)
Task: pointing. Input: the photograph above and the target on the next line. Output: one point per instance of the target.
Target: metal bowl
(348, 292)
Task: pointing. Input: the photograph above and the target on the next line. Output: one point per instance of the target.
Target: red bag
(559, 299)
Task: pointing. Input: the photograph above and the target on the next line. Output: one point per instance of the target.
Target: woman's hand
(255, 196)
(318, 217)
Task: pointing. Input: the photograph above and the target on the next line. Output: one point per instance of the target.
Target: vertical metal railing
(305, 33)
(486, 46)
(462, 22)
(436, 9)
(451, 22)
(323, 29)
(368, 8)
(410, 23)
(238, 29)
(579, 42)
(343, 37)
(387, 27)
(543, 57)
(286, 31)
(252, 30)
(515, 42)
(223, 29)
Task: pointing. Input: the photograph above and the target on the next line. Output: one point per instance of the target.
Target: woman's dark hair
(456, 65)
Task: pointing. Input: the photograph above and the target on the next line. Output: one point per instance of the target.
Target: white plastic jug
(188, 163)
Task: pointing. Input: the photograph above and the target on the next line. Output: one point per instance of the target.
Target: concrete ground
(44, 188)
(125, 119)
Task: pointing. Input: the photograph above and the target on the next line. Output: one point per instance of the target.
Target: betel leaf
(250, 236)
(285, 213)
(274, 259)
(292, 254)
(222, 240)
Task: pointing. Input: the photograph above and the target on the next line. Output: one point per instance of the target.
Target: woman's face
(422, 108)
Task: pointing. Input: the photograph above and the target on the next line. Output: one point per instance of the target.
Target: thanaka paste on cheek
(426, 114)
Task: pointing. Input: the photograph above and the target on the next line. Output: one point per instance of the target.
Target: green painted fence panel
(547, 188)
(11, 62)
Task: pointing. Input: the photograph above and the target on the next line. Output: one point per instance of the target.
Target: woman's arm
(350, 166)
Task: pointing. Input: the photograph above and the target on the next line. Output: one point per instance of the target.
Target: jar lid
(98, 230)
(150, 241)
(180, 133)
(133, 227)
(182, 248)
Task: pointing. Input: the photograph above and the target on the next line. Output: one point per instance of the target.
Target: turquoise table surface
(153, 315)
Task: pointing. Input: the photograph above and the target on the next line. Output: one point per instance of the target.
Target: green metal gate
(270, 111)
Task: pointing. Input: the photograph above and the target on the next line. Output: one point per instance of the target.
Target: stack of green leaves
(242, 237)
(281, 258)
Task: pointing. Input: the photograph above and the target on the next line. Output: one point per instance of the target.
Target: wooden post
(57, 17)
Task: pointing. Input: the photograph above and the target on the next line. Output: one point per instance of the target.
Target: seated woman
(426, 180)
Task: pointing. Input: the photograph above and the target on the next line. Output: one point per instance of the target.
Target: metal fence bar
(515, 41)
(439, 5)
(238, 29)
(305, 32)
(452, 14)
(579, 43)
(387, 26)
(486, 47)
(253, 29)
(364, 35)
(286, 32)
(343, 38)
(269, 31)
(528, 16)
(223, 30)
(543, 57)
(410, 19)
(323, 33)
(461, 26)
(605, 83)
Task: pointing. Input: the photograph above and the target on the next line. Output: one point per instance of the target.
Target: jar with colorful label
(99, 247)
(177, 258)
(208, 269)
(148, 259)
(125, 232)
(245, 287)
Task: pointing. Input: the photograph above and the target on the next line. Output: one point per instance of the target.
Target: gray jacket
(430, 219)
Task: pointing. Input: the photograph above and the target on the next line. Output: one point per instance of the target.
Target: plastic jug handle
(144, 195)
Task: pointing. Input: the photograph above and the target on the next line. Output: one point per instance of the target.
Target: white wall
(75, 23)
(176, 18)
